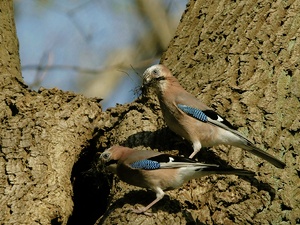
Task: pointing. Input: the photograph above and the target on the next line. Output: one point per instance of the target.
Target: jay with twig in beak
(193, 120)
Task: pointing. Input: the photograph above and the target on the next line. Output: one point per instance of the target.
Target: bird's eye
(155, 72)
(105, 156)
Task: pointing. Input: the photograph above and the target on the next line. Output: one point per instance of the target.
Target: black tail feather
(228, 171)
(266, 156)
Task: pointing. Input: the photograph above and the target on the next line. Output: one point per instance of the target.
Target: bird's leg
(159, 195)
(196, 146)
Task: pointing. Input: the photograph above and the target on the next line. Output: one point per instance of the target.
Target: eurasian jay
(157, 171)
(190, 118)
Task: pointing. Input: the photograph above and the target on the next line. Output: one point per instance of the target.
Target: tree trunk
(239, 57)
(42, 136)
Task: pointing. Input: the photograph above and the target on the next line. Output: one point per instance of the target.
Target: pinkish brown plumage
(190, 118)
(157, 171)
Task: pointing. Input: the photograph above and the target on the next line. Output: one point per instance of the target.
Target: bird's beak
(146, 83)
(146, 79)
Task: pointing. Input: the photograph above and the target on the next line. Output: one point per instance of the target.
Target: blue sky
(78, 33)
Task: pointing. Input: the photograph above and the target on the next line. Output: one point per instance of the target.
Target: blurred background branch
(91, 46)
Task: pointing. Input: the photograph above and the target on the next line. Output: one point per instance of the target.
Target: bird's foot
(143, 210)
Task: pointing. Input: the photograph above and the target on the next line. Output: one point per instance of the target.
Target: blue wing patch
(145, 164)
(196, 113)
(204, 115)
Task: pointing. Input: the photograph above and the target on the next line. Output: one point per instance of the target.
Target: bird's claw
(143, 210)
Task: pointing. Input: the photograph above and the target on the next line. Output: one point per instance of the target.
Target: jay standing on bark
(156, 171)
(190, 118)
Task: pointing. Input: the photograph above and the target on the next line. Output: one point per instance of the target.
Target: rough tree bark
(42, 135)
(242, 58)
